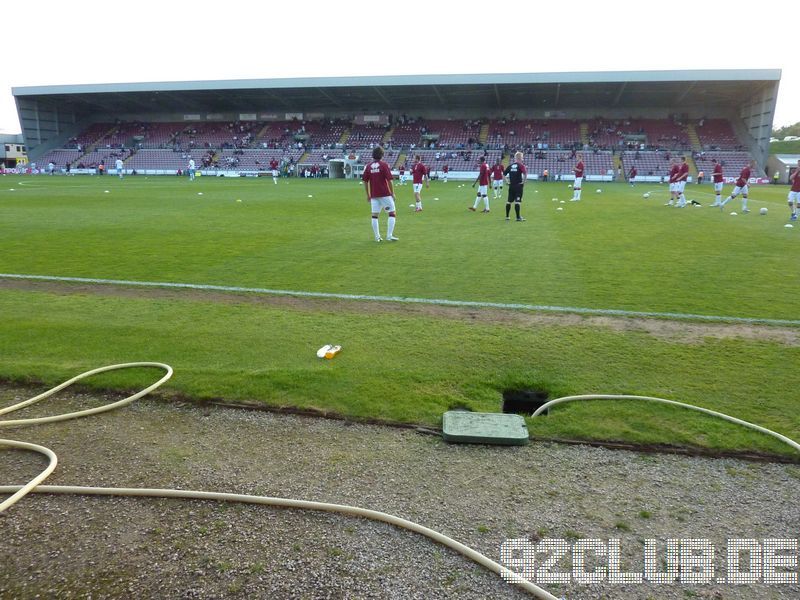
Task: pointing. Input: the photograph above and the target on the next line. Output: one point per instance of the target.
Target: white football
(763, 210)
(646, 195)
(598, 191)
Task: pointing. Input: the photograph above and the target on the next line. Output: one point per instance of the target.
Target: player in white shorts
(579, 170)
(120, 167)
(794, 193)
(420, 175)
(483, 187)
(740, 187)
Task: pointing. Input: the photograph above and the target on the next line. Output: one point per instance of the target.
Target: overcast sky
(66, 43)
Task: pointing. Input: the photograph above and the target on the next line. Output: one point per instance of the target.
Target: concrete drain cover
(465, 427)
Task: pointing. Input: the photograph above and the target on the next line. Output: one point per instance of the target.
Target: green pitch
(613, 250)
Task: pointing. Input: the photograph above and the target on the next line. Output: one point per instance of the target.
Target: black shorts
(515, 193)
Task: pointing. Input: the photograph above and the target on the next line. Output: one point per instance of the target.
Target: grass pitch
(613, 250)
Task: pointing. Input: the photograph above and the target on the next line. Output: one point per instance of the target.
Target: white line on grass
(411, 300)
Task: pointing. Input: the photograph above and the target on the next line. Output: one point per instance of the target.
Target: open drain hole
(524, 402)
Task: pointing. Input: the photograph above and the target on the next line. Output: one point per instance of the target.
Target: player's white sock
(477, 201)
(375, 228)
(724, 202)
(486, 202)
(744, 203)
(275, 180)
(390, 227)
(578, 194)
(419, 205)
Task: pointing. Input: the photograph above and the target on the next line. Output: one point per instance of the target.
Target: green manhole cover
(484, 428)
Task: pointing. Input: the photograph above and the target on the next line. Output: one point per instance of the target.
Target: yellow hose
(33, 486)
(790, 442)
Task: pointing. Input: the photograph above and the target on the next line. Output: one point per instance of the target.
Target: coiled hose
(33, 486)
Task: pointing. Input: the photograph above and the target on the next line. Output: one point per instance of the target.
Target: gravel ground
(76, 547)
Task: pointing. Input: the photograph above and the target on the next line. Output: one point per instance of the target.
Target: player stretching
(794, 194)
(516, 174)
(497, 179)
(578, 169)
(716, 175)
(377, 179)
(483, 187)
(680, 183)
(420, 173)
(273, 165)
(673, 178)
(740, 187)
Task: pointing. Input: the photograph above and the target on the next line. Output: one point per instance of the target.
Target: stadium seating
(456, 160)
(364, 135)
(455, 141)
(452, 134)
(717, 134)
(60, 158)
(732, 163)
(662, 134)
(559, 164)
(648, 163)
(550, 134)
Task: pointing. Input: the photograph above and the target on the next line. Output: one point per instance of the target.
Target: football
(646, 195)
(763, 210)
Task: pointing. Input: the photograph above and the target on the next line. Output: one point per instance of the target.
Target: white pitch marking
(412, 300)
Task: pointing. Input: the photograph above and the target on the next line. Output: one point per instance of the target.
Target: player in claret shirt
(716, 176)
(578, 169)
(380, 194)
(740, 187)
(273, 164)
(497, 179)
(420, 173)
(673, 182)
(516, 174)
(680, 183)
(483, 186)
(794, 194)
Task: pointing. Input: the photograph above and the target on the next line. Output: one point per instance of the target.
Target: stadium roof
(711, 89)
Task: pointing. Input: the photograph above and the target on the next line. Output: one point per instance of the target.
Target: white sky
(144, 40)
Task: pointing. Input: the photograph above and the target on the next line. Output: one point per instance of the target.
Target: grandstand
(619, 119)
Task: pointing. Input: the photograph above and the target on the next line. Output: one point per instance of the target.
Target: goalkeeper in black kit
(515, 175)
